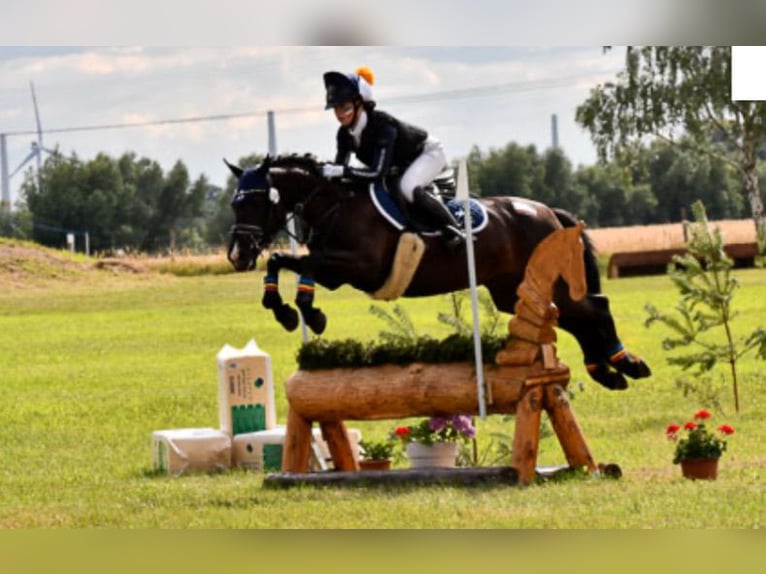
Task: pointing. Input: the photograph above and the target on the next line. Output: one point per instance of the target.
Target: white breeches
(424, 169)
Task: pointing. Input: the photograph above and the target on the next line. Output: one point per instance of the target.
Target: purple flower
(463, 425)
(437, 423)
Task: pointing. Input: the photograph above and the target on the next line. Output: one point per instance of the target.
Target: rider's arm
(381, 160)
(344, 147)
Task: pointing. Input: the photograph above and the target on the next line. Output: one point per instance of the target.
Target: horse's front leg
(286, 315)
(304, 299)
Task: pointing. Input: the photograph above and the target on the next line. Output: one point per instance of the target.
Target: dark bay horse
(349, 242)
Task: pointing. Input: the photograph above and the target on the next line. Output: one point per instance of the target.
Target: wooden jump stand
(525, 379)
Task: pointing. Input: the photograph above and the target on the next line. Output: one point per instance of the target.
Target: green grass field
(91, 365)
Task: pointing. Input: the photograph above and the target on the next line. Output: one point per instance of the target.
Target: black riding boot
(439, 213)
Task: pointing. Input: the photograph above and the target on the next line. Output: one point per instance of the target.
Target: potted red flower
(698, 450)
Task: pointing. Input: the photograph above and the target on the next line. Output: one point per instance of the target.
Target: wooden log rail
(331, 397)
(655, 262)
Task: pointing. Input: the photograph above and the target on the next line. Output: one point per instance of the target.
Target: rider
(380, 141)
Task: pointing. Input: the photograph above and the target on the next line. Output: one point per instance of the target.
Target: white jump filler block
(179, 451)
(262, 451)
(245, 389)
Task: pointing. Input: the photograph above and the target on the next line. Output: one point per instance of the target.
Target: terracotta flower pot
(375, 464)
(702, 468)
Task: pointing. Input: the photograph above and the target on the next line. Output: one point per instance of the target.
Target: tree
(75, 197)
(127, 202)
(142, 181)
(679, 177)
(665, 92)
(607, 192)
(177, 200)
(559, 188)
(513, 170)
(706, 285)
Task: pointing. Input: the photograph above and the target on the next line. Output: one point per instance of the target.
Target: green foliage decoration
(400, 325)
(351, 353)
(377, 450)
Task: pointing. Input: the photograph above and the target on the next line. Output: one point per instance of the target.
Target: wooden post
(295, 456)
(336, 437)
(526, 436)
(567, 429)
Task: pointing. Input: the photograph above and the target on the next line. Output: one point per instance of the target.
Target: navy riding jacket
(385, 142)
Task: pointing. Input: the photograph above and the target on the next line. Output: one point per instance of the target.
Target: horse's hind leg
(592, 344)
(618, 356)
(590, 322)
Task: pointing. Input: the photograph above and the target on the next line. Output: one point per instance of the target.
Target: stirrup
(454, 231)
(452, 236)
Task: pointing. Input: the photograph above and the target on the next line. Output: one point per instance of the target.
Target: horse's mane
(304, 161)
(309, 163)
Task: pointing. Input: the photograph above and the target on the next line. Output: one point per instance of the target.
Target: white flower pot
(437, 455)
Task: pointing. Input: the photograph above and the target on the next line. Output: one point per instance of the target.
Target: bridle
(256, 237)
(253, 237)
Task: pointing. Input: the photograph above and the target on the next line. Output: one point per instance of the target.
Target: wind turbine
(37, 147)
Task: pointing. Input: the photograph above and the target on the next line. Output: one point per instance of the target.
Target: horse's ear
(237, 171)
(266, 161)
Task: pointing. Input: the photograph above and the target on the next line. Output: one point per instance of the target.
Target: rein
(301, 235)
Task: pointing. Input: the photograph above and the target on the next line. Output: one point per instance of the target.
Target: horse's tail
(592, 276)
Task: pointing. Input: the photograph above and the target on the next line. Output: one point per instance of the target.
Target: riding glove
(331, 170)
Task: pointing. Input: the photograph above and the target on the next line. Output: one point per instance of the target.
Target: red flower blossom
(690, 426)
(726, 429)
(402, 431)
(702, 415)
(672, 430)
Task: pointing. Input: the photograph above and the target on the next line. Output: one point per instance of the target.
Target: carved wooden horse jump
(526, 379)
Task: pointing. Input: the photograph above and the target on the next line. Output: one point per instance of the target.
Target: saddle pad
(389, 209)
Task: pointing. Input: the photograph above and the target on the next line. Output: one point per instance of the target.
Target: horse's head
(257, 215)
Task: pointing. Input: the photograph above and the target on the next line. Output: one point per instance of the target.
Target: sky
(465, 96)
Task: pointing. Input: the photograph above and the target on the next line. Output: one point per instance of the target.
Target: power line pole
(272, 134)
(5, 179)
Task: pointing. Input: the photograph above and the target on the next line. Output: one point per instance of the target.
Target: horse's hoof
(317, 321)
(608, 378)
(633, 366)
(287, 317)
(271, 300)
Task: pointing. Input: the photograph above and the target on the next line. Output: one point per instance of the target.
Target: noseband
(254, 237)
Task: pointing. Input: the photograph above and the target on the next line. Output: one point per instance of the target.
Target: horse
(350, 242)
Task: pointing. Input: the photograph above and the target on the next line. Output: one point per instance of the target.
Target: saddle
(397, 211)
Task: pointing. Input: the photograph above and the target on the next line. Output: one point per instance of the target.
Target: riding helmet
(340, 88)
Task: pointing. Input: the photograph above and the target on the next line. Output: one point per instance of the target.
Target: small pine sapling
(704, 280)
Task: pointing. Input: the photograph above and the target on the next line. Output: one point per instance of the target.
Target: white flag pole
(463, 195)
